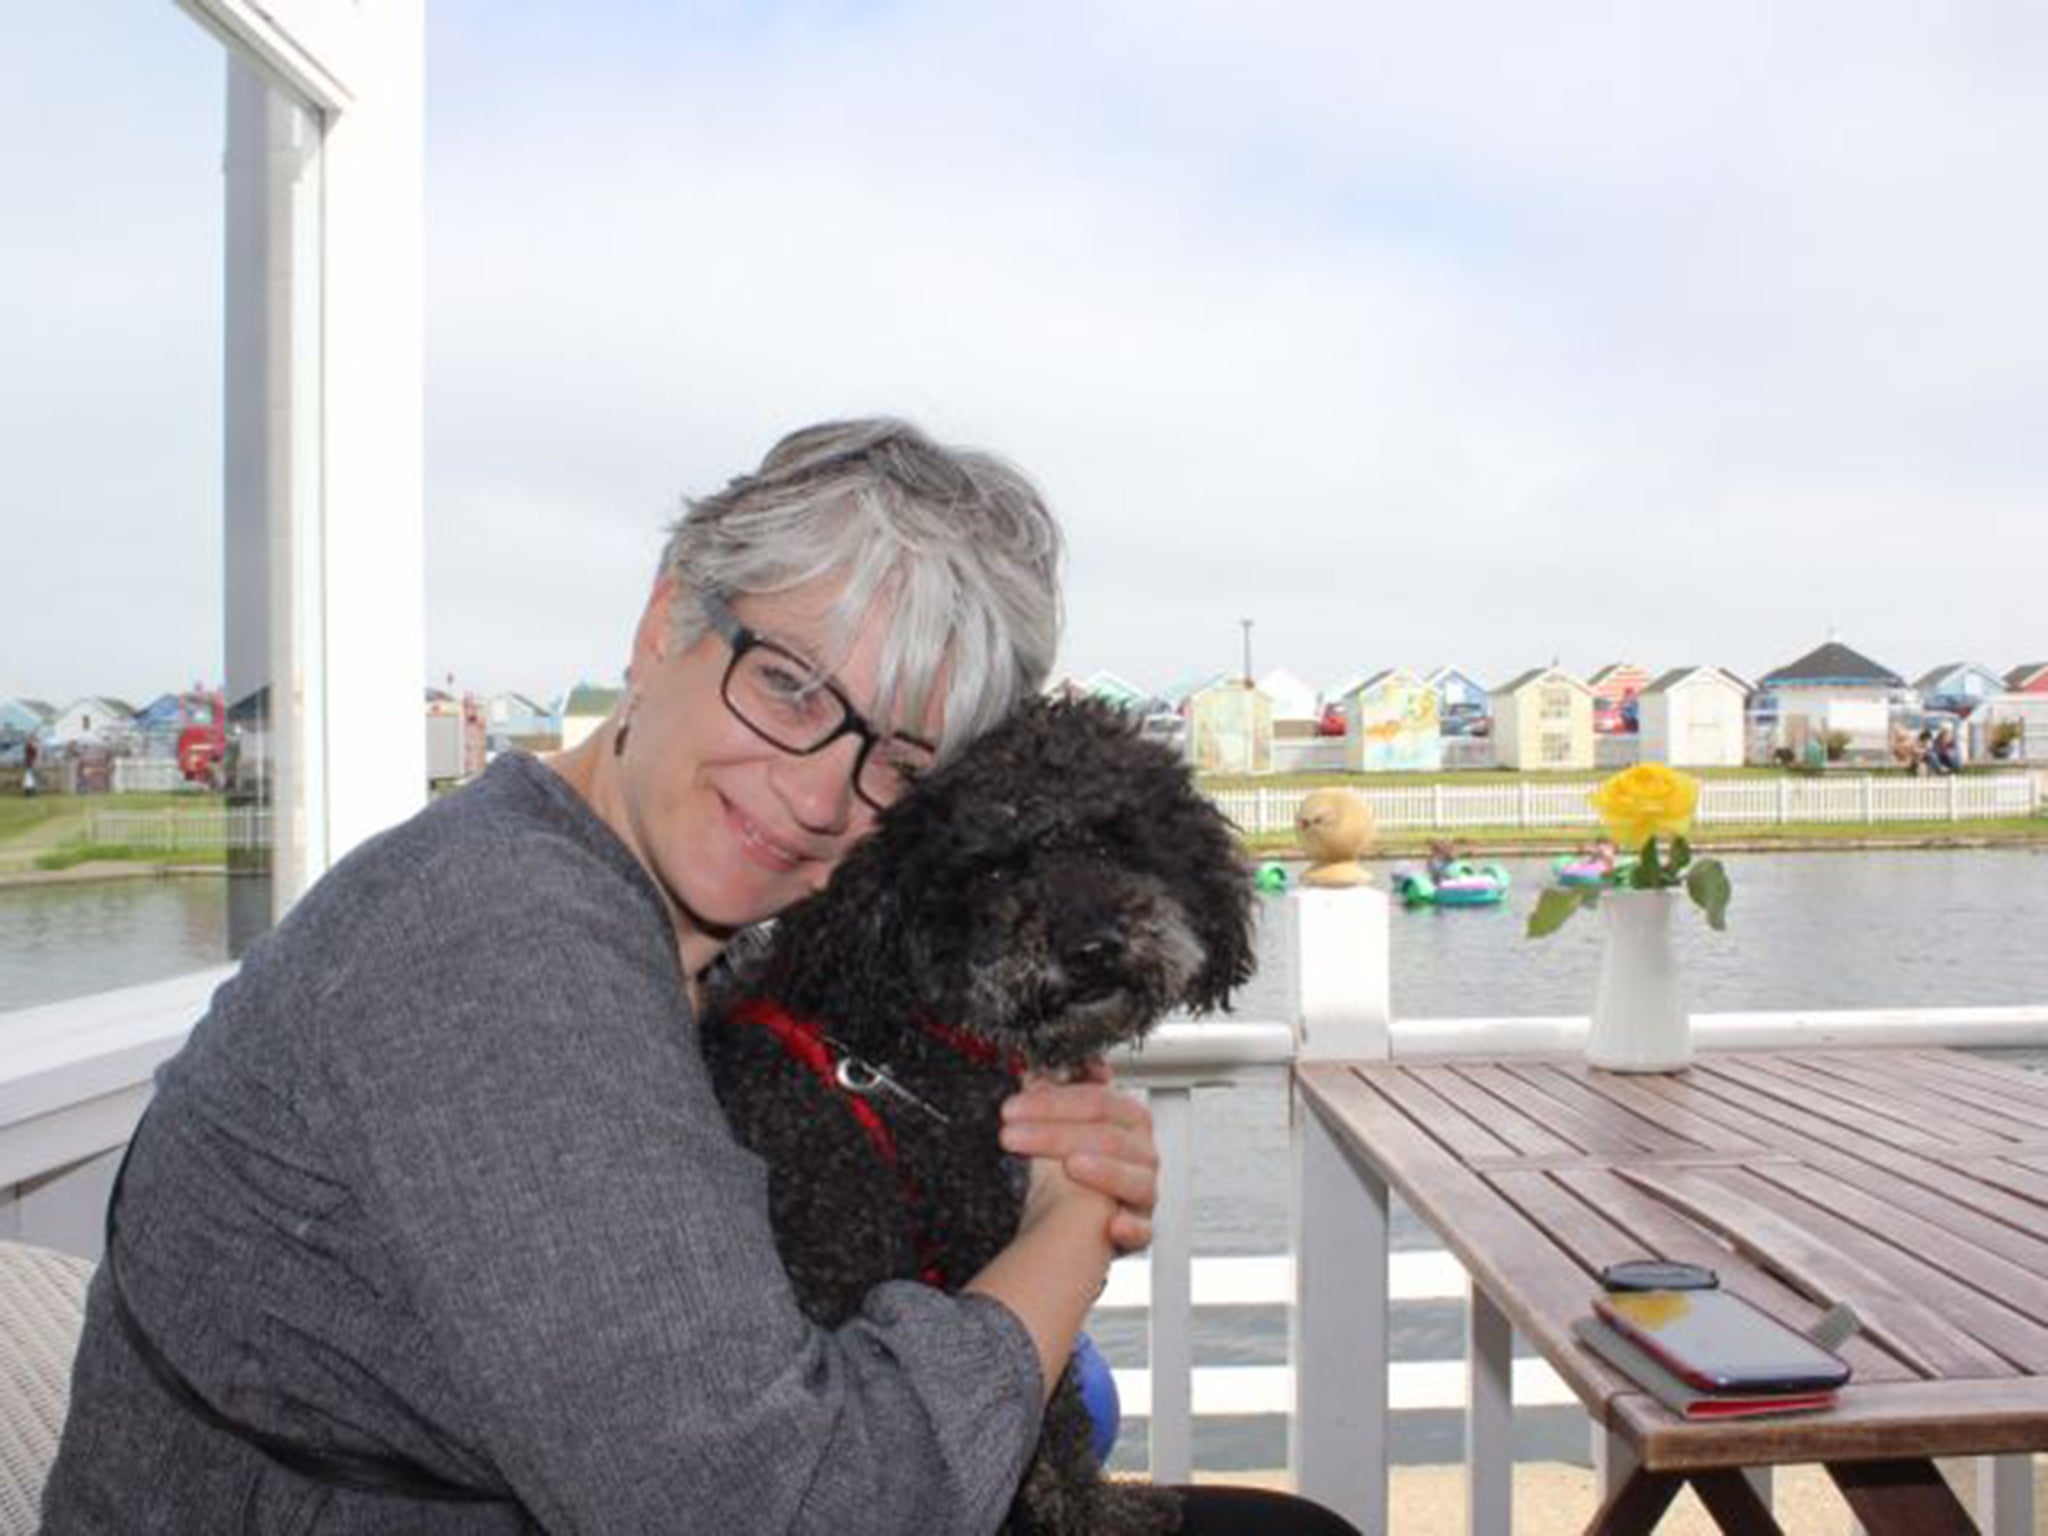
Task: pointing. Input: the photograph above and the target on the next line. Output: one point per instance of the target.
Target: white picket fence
(147, 775)
(178, 827)
(1562, 803)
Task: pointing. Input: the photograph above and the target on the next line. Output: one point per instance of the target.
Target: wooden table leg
(1902, 1498)
(1735, 1504)
(1637, 1505)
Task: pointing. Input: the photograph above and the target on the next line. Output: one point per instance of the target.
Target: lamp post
(1247, 623)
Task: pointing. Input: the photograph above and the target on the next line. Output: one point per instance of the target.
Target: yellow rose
(1646, 801)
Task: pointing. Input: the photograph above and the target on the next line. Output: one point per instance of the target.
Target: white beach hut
(1692, 717)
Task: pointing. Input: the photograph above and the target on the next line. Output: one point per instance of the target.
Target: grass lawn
(32, 829)
(71, 855)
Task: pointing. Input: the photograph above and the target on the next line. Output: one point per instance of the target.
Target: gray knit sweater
(440, 1173)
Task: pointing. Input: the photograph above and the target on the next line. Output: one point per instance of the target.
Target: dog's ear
(1224, 913)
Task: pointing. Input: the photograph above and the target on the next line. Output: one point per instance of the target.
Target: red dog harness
(805, 1042)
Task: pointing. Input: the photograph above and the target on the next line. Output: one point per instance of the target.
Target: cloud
(1475, 332)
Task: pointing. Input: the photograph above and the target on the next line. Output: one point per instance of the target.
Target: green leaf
(1708, 886)
(1681, 855)
(1555, 907)
(1647, 876)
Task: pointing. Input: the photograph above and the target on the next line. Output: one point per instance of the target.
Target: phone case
(1717, 1379)
(1689, 1402)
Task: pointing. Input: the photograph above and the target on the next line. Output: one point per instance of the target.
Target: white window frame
(75, 1075)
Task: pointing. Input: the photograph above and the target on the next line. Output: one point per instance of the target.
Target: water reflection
(1852, 929)
(1912, 928)
(66, 939)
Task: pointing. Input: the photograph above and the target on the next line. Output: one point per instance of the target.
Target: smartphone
(1715, 1342)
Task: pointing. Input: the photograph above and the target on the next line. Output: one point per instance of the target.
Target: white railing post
(1339, 946)
(1337, 1438)
(1170, 1321)
(2005, 1495)
(1489, 1417)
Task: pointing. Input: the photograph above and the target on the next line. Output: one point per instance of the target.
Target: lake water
(1928, 928)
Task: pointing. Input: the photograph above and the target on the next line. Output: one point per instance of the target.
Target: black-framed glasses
(786, 701)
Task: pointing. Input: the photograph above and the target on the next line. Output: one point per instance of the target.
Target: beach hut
(94, 720)
(1543, 719)
(2028, 677)
(1294, 702)
(584, 708)
(1693, 717)
(21, 718)
(1391, 725)
(1461, 703)
(1615, 687)
(1830, 691)
(1957, 686)
(516, 722)
(1230, 728)
(1106, 686)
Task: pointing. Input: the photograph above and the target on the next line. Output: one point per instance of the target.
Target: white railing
(178, 827)
(1770, 801)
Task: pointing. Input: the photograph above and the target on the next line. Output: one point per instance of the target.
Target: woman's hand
(1102, 1139)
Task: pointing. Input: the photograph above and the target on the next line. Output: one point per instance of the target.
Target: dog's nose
(1092, 969)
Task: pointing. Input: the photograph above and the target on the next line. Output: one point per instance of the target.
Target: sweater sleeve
(590, 1248)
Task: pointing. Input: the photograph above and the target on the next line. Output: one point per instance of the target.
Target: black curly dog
(1050, 893)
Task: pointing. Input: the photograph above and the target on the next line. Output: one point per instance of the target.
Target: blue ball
(1098, 1391)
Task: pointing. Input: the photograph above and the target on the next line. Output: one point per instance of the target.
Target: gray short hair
(959, 541)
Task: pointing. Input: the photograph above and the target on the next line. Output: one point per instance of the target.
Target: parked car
(1465, 720)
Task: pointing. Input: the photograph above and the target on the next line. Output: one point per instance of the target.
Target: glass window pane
(155, 469)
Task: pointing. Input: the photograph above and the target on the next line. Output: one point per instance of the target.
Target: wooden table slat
(1839, 1261)
(1496, 1117)
(1989, 1299)
(1960, 1072)
(1719, 1129)
(2007, 1266)
(1614, 1124)
(1859, 1113)
(1930, 1099)
(2012, 1176)
(1810, 1137)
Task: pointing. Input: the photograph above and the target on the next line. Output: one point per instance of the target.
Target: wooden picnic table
(1910, 1184)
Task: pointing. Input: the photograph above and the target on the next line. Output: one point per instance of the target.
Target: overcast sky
(1470, 333)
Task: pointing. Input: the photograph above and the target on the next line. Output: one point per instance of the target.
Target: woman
(435, 1225)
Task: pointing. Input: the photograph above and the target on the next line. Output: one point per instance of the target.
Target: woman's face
(734, 828)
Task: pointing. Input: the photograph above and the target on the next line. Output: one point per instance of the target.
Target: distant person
(1442, 860)
(1599, 856)
(1943, 754)
(435, 1224)
(30, 754)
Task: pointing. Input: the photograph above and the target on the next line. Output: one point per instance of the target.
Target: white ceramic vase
(1640, 1023)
